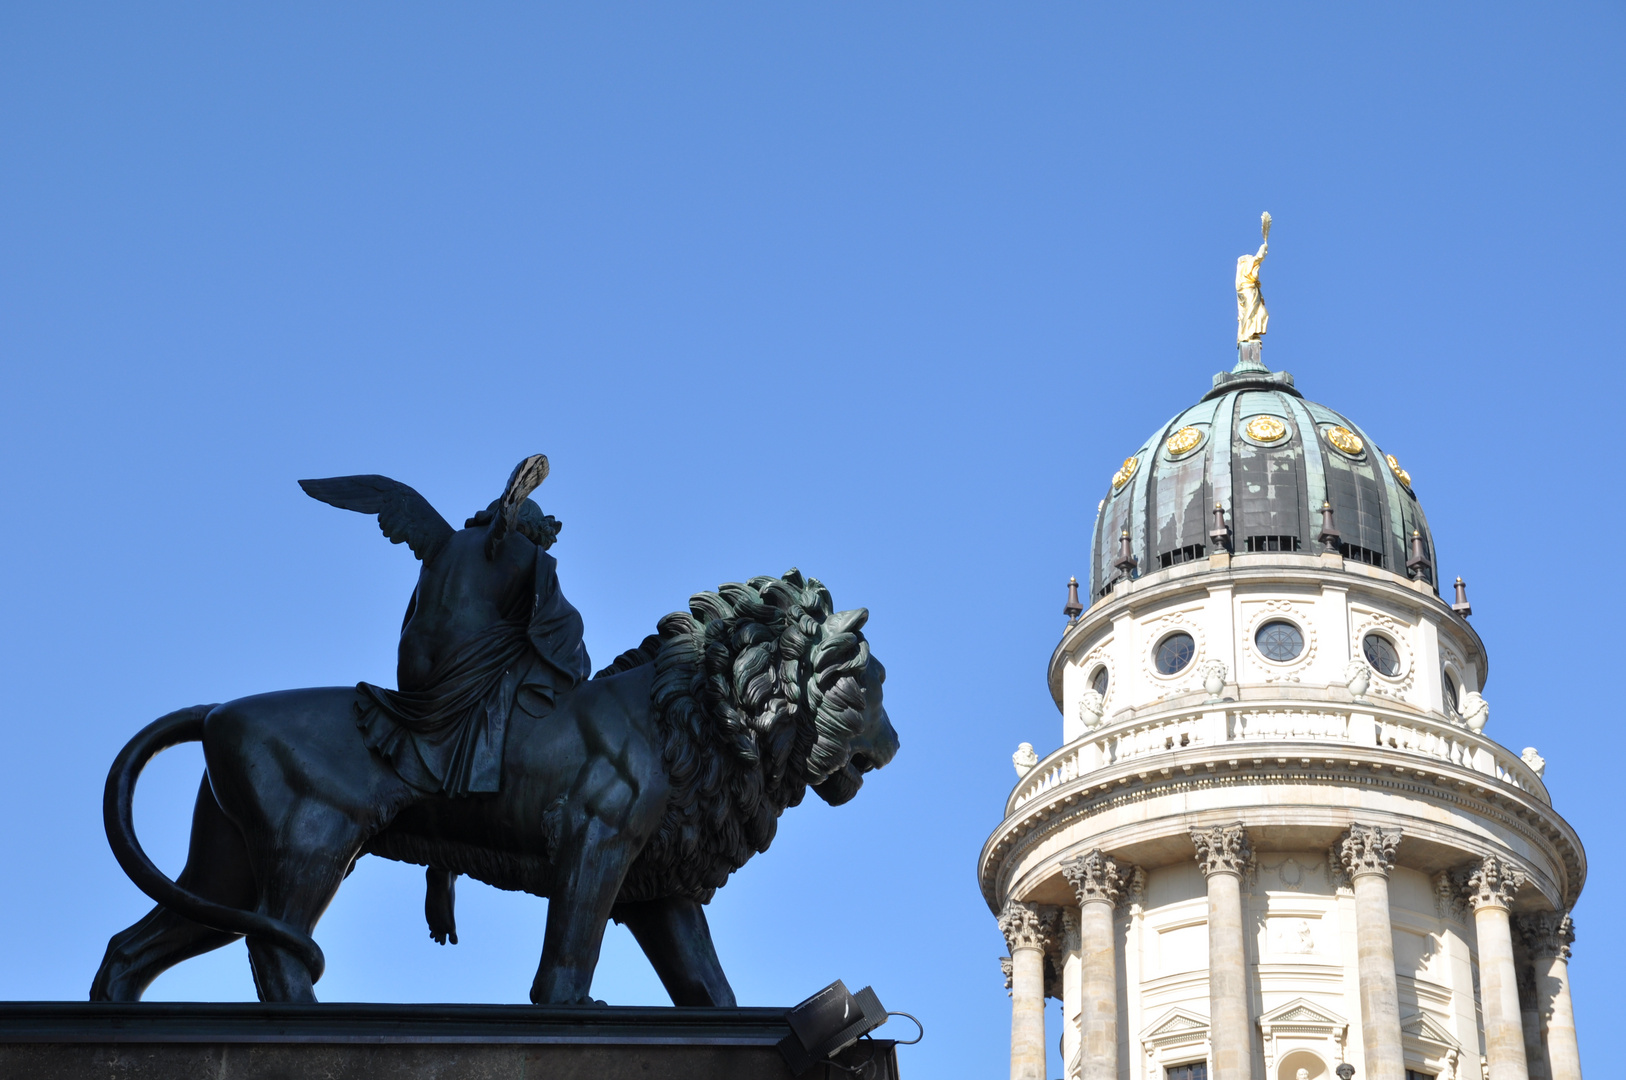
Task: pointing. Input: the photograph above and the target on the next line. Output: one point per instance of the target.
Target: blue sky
(884, 292)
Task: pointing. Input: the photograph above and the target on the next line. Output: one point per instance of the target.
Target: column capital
(1368, 849)
(1223, 849)
(1491, 882)
(1094, 877)
(1027, 926)
(1546, 933)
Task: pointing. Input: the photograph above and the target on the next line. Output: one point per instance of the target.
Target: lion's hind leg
(674, 935)
(217, 868)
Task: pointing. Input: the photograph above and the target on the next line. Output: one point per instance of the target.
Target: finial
(1329, 532)
(1073, 609)
(1219, 535)
(1126, 560)
(1462, 607)
(1418, 565)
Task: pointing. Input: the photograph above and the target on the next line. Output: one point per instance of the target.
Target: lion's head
(761, 690)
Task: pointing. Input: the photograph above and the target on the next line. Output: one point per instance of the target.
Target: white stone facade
(1270, 867)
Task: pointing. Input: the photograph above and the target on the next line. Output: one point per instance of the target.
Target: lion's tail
(184, 725)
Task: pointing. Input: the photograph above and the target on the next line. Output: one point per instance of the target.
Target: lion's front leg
(589, 864)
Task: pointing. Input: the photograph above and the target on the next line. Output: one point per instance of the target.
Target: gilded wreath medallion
(1121, 477)
(1400, 474)
(1266, 429)
(1345, 440)
(1184, 440)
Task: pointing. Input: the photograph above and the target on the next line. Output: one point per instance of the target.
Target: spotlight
(827, 1023)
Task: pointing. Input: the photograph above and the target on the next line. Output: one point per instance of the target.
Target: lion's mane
(758, 693)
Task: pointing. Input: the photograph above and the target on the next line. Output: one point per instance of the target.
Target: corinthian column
(1490, 888)
(1549, 935)
(1224, 853)
(1368, 854)
(1072, 991)
(1027, 932)
(1095, 878)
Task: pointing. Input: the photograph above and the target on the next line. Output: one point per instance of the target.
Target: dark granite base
(51, 1040)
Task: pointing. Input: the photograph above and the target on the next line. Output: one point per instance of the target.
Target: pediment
(1425, 1028)
(1301, 1012)
(1176, 1023)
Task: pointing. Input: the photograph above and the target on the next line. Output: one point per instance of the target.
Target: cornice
(1273, 764)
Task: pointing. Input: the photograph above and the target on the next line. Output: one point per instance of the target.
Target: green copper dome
(1270, 459)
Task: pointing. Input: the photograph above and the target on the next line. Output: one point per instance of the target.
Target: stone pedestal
(189, 1041)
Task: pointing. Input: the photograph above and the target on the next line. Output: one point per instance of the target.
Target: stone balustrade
(1230, 727)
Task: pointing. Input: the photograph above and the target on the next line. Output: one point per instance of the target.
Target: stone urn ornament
(1090, 708)
(1475, 711)
(1024, 759)
(1358, 677)
(1214, 673)
(1537, 763)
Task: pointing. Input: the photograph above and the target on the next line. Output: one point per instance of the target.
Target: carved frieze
(1223, 849)
(1094, 877)
(1368, 849)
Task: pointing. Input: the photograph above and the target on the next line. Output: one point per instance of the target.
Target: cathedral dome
(1254, 447)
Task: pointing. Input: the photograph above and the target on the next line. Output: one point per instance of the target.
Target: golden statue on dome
(1251, 317)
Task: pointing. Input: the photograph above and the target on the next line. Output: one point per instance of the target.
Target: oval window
(1381, 654)
(1279, 640)
(1451, 700)
(1098, 681)
(1175, 652)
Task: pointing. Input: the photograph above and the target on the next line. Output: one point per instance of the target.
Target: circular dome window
(1381, 654)
(1279, 640)
(1098, 681)
(1175, 652)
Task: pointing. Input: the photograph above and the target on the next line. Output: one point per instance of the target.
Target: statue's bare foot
(439, 905)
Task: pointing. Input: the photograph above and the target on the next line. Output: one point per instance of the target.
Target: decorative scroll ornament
(1492, 882)
(1547, 933)
(1094, 876)
(1127, 470)
(1184, 440)
(1345, 440)
(1223, 849)
(1026, 926)
(1266, 429)
(1367, 849)
(1400, 474)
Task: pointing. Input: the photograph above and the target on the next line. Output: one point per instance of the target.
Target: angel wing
(404, 515)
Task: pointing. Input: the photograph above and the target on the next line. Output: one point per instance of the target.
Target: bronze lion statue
(632, 795)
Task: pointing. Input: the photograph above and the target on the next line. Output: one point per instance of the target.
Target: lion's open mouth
(843, 784)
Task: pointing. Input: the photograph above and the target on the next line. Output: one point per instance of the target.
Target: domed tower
(1275, 841)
